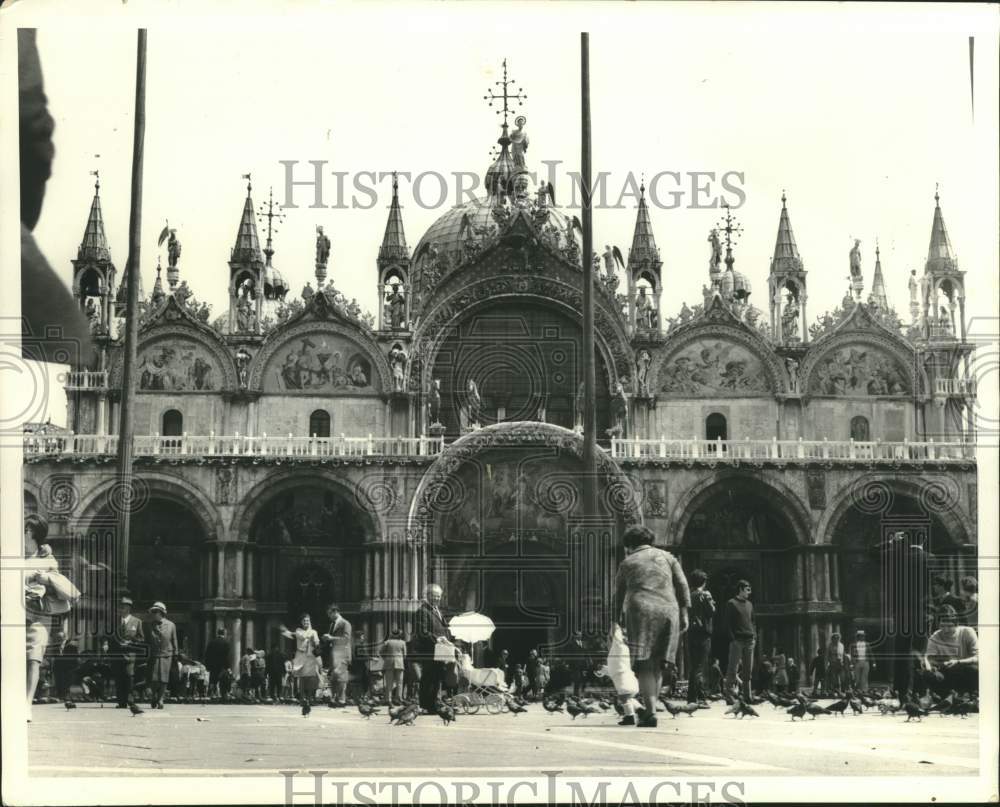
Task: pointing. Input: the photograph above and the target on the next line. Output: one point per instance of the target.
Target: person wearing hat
(162, 651)
(128, 636)
(861, 656)
(835, 672)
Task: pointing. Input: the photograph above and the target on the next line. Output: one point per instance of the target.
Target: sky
(857, 112)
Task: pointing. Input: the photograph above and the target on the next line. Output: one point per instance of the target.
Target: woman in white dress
(305, 665)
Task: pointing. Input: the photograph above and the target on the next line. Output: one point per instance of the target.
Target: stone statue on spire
(856, 260)
(519, 141)
(716, 260)
(322, 247)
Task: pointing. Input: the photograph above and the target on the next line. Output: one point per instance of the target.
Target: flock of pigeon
(797, 706)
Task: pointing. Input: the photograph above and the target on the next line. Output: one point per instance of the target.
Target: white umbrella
(471, 627)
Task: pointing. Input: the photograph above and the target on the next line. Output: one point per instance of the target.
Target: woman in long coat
(651, 604)
(162, 652)
(305, 664)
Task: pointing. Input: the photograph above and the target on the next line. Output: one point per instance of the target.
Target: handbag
(444, 652)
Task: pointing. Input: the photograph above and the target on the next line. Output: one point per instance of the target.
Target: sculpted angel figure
(716, 259)
(855, 257)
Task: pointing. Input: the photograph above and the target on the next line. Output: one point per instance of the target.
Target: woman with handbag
(305, 665)
(47, 593)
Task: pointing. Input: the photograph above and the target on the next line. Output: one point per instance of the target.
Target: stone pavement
(242, 740)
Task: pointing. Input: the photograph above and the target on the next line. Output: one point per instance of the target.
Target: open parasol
(471, 627)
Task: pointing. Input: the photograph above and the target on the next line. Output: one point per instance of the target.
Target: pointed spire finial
(784, 199)
(96, 173)
(394, 246)
(506, 96)
(249, 186)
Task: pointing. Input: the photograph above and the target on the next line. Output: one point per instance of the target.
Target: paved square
(247, 740)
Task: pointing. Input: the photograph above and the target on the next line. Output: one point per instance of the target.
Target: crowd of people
(658, 612)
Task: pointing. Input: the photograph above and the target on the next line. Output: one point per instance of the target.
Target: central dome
(448, 235)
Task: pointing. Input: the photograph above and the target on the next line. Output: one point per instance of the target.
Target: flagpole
(125, 499)
(589, 372)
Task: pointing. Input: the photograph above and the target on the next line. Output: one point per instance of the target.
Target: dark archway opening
(715, 427)
(737, 532)
(173, 424)
(319, 423)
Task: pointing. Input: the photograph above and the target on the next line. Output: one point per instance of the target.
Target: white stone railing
(790, 450)
(955, 386)
(86, 379)
(237, 445)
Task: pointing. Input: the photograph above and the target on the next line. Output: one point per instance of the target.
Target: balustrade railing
(86, 379)
(790, 450)
(955, 386)
(236, 445)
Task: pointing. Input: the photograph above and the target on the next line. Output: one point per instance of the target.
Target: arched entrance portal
(504, 516)
(166, 564)
(860, 528)
(307, 538)
(737, 531)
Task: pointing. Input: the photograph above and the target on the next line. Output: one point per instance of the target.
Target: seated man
(952, 657)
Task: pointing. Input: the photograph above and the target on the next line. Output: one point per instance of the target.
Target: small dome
(274, 282)
(728, 283)
(741, 285)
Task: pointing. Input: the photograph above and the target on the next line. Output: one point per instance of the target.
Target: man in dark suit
(337, 652)
(429, 630)
(216, 659)
(128, 638)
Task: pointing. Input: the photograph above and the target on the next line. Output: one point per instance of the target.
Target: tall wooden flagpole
(124, 499)
(589, 372)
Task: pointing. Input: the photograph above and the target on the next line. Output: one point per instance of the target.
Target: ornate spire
(940, 257)
(878, 296)
(394, 241)
(786, 252)
(643, 242)
(247, 248)
(158, 294)
(94, 245)
(500, 174)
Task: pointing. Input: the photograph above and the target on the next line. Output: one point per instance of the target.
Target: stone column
(413, 591)
(240, 550)
(377, 589)
(237, 643)
(101, 415)
(220, 570)
(366, 573)
(248, 588)
(251, 638)
(834, 575)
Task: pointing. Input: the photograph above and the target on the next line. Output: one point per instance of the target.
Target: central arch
(502, 513)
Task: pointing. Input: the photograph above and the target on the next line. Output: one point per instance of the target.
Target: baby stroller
(480, 687)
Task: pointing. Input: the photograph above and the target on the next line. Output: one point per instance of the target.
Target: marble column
(220, 570)
(237, 643)
(804, 572)
(834, 575)
(250, 559)
(412, 592)
(366, 570)
(251, 639)
(240, 551)
(379, 590)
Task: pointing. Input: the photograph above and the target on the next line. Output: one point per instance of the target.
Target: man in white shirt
(863, 661)
(952, 657)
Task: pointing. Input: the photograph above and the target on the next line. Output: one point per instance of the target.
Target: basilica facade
(297, 451)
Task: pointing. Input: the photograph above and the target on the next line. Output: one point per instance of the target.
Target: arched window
(173, 424)
(715, 427)
(859, 429)
(319, 423)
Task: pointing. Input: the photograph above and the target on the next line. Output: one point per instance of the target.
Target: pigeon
(396, 711)
(673, 710)
(689, 709)
(135, 710)
(856, 706)
(306, 708)
(573, 708)
(797, 711)
(914, 711)
(552, 705)
(838, 707)
(204, 719)
(70, 705)
(771, 699)
(737, 705)
(867, 702)
(367, 710)
(515, 708)
(962, 708)
(746, 710)
(785, 702)
(815, 709)
(409, 714)
(446, 713)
